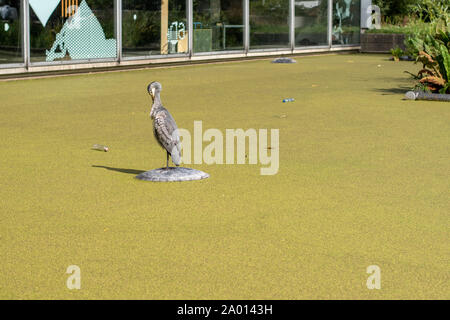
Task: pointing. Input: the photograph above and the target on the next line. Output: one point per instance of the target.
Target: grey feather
(165, 128)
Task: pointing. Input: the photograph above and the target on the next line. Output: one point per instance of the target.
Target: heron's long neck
(156, 104)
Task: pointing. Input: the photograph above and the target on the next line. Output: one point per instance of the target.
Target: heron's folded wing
(162, 130)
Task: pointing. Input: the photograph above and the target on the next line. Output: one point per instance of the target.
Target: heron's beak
(153, 92)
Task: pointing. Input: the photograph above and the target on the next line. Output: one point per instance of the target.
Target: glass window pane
(154, 27)
(218, 25)
(269, 24)
(311, 23)
(346, 21)
(10, 32)
(72, 30)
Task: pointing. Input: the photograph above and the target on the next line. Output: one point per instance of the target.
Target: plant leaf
(446, 62)
(426, 59)
(436, 81)
(429, 72)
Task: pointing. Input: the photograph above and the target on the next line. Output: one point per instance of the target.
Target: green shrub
(397, 53)
(412, 27)
(431, 47)
(431, 10)
(392, 8)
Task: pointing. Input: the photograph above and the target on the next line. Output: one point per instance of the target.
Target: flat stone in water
(172, 174)
(284, 60)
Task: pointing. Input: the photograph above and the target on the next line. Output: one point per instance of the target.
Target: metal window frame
(26, 36)
(216, 53)
(154, 57)
(306, 48)
(330, 23)
(246, 13)
(71, 62)
(292, 24)
(118, 29)
(23, 30)
(190, 19)
(275, 49)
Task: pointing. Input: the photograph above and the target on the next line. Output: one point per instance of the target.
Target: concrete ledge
(381, 42)
(38, 70)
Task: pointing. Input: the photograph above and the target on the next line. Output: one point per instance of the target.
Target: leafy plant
(430, 75)
(394, 8)
(414, 26)
(397, 53)
(431, 10)
(435, 57)
(431, 46)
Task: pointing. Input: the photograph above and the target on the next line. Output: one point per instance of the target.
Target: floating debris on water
(100, 147)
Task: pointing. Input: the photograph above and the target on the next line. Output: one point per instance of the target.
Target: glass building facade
(311, 23)
(74, 30)
(11, 49)
(346, 22)
(63, 32)
(218, 25)
(269, 24)
(154, 27)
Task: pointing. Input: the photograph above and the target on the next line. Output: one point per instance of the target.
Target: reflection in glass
(72, 30)
(346, 21)
(10, 32)
(311, 23)
(218, 25)
(269, 24)
(154, 27)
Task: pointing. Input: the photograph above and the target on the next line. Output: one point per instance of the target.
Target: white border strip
(145, 63)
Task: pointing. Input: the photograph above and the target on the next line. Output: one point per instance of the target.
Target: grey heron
(165, 129)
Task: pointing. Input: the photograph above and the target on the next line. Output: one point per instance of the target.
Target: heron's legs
(167, 166)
